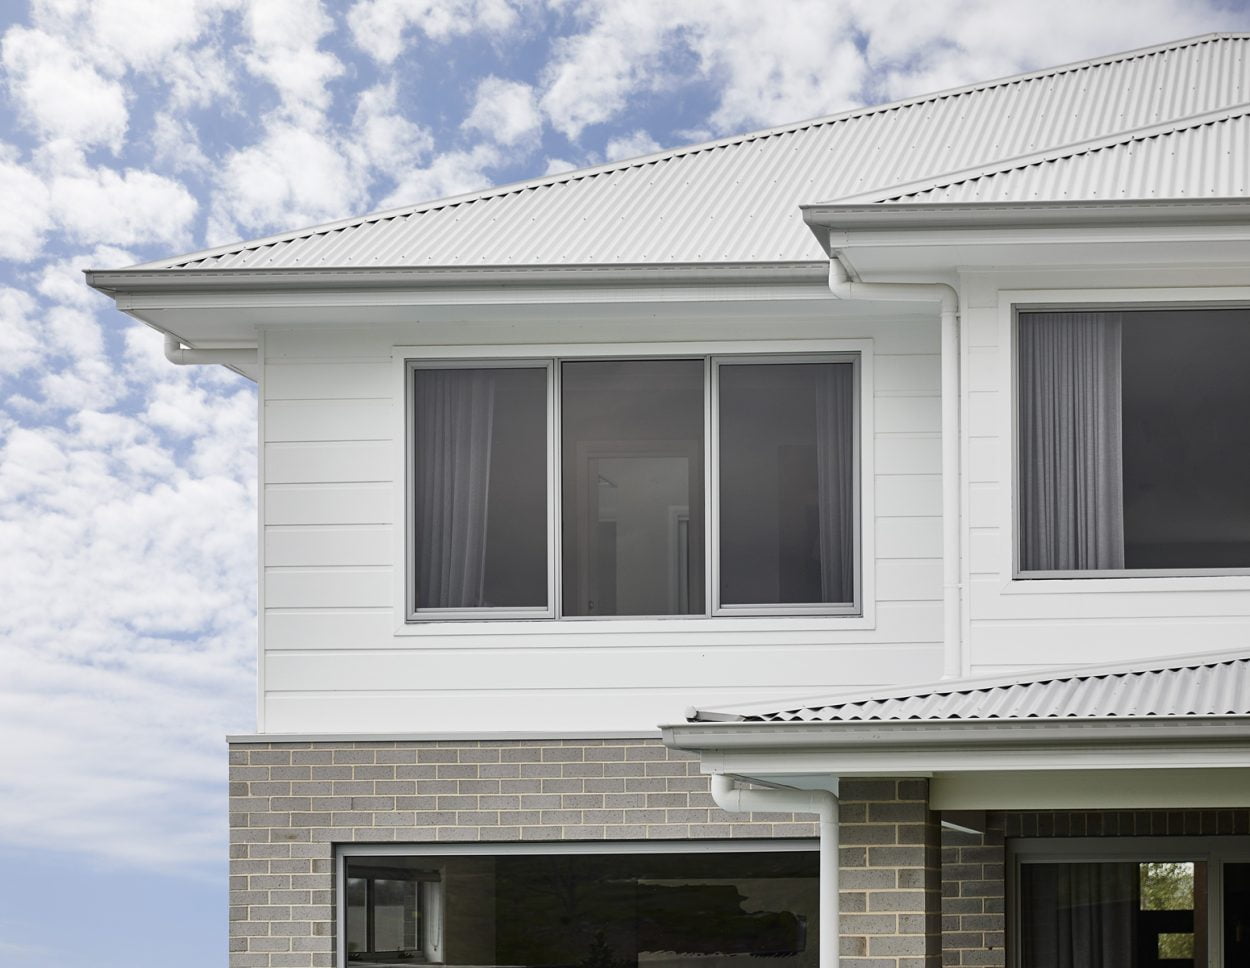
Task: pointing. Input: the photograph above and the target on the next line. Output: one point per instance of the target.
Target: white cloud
(451, 173)
(630, 146)
(286, 37)
(293, 177)
(60, 93)
(382, 138)
(25, 203)
(19, 332)
(504, 111)
(378, 26)
(130, 207)
(63, 281)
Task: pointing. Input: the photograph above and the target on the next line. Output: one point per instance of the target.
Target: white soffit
(1191, 687)
(736, 200)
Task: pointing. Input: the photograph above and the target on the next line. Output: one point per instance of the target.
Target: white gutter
(175, 352)
(733, 799)
(842, 286)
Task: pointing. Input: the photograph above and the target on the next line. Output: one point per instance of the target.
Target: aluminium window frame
(1214, 851)
(342, 851)
(1018, 572)
(713, 356)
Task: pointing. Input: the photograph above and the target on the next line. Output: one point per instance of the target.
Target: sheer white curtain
(1079, 916)
(453, 413)
(835, 480)
(1071, 454)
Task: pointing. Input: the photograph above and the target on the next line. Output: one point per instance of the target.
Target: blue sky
(134, 129)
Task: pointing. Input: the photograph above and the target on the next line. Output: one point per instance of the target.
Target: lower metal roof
(1205, 686)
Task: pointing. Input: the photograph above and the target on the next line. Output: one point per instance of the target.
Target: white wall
(337, 659)
(1012, 624)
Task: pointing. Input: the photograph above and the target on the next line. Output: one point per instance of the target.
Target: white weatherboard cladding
(1012, 625)
(737, 200)
(337, 659)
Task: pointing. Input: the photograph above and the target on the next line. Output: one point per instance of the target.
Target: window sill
(677, 625)
(1126, 583)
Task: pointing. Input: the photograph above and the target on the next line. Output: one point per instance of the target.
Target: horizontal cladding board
(985, 552)
(908, 496)
(908, 414)
(329, 420)
(322, 547)
(983, 460)
(905, 623)
(328, 587)
(984, 415)
(1050, 602)
(321, 462)
(982, 368)
(1034, 644)
(909, 537)
(911, 372)
(519, 712)
(984, 505)
(908, 454)
(909, 579)
(820, 667)
(328, 381)
(329, 504)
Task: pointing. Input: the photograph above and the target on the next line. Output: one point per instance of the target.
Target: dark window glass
(1113, 915)
(479, 467)
(787, 483)
(1134, 440)
(607, 911)
(632, 474)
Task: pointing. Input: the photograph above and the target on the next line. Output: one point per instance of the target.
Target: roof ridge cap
(1006, 166)
(670, 154)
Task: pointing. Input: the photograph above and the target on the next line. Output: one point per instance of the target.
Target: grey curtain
(835, 480)
(1071, 454)
(453, 421)
(1078, 915)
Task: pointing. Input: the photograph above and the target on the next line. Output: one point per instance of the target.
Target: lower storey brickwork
(913, 895)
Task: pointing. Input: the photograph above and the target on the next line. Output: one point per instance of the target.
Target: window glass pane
(612, 911)
(1113, 915)
(1237, 914)
(632, 474)
(1133, 452)
(480, 487)
(787, 483)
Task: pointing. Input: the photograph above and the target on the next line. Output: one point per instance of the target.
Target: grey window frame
(1019, 573)
(712, 361)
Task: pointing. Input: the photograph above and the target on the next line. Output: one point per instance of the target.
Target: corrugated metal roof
(1211, 686)
(1207, 157)
(736, 200)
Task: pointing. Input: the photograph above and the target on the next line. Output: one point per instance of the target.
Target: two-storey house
(831, 542)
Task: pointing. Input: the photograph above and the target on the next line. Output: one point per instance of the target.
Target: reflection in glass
(787, 483)
(1113, 915)
(711, 910)
(480, 487)
(632, 473)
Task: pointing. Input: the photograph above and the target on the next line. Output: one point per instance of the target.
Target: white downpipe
(840, 285)
(732, 799)
(175, 352)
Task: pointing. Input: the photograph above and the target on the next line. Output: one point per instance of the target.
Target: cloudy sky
(133, 129)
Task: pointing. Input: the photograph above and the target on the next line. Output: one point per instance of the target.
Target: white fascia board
(895, 748)
(478, 280)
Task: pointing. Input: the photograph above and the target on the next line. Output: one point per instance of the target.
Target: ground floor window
(616, 907)
(1144, 903)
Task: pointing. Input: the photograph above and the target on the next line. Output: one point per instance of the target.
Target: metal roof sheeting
(1211, 687)
(736, 200)
(1207, 159)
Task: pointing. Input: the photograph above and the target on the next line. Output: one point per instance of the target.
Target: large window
(1133, 441)
(588, 488)
(605, 909)
(1141, 903)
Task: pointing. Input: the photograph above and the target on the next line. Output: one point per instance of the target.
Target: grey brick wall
(890, 856)
(291, 802)
(973, 896)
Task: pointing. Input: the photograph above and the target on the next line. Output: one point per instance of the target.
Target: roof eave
(1085, 213)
